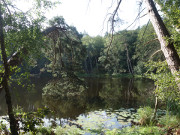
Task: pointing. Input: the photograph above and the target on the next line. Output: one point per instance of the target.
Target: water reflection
(30, 100)
(102, 93)
(107, 119)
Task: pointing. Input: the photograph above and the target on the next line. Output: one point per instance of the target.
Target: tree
(171, 18)
(64, 48)
(18, 33)
(164, 37)
(117, 58)
(167, 46)
(94, 46)
(171, 12)
(147, 48)
(13, 122)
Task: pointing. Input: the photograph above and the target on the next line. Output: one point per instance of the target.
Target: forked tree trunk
(167, 48)
(13, 122)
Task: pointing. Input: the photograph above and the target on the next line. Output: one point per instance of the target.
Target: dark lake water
(104, 97)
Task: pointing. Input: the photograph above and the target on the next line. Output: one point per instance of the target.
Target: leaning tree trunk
(167, 48)
(13, 122)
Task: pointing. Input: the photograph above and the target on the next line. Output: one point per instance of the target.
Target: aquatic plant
(68, 130)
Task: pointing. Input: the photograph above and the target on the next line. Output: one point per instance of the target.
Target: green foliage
(2, 127)
(166, 88)
(68, 130)
(145, 115)
(146, 48)
(171, 10)
(94, 46)
(150, 130)
(46, 3)
(114, 58)
(169, 120)
(44, 131)
(174, 107)
(40, 131)
(30, 120)
(65, 87)
(171, 17)
(23, 30)
(64, 50)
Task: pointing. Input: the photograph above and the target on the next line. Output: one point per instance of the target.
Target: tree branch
(16, 58)
(112, 24)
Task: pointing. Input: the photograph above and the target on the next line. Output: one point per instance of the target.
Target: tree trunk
(167, 47)
(13, 122)
(16, 58)
(129, 61)
(97, 67)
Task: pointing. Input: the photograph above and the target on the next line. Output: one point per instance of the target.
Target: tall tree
(18, 33)
(164, 37)
(167, 45)
(118, 57)
(13, 122)
(65, 50)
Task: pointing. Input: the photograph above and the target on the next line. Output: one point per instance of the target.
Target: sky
(89, 15)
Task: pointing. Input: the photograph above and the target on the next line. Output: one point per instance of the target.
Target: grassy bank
(163, 123)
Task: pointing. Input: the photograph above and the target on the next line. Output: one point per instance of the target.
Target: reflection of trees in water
(29, 100)
(66, 108)
(64, 87)
(65, 96)
(101, 93)
(72, 102)
(123, 92)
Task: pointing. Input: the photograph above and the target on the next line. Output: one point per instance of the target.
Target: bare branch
(7, 7)
(112, 20)
(145, 30)
(135, 19)
(155, 53)
(156, 39)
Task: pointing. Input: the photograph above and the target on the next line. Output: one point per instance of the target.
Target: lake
(106, 99)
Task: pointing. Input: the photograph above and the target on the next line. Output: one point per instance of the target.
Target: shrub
(145, 115)
(169, 120)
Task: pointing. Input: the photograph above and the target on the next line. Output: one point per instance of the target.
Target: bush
(150, 130)
(29, 120)
(169, 120)
(44, 131)
(145, 115)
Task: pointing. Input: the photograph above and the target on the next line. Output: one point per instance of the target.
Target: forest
(58, 81)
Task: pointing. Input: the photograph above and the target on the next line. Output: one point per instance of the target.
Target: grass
(165, 123)
(147, 130)
(169, 121)
(145, 115)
